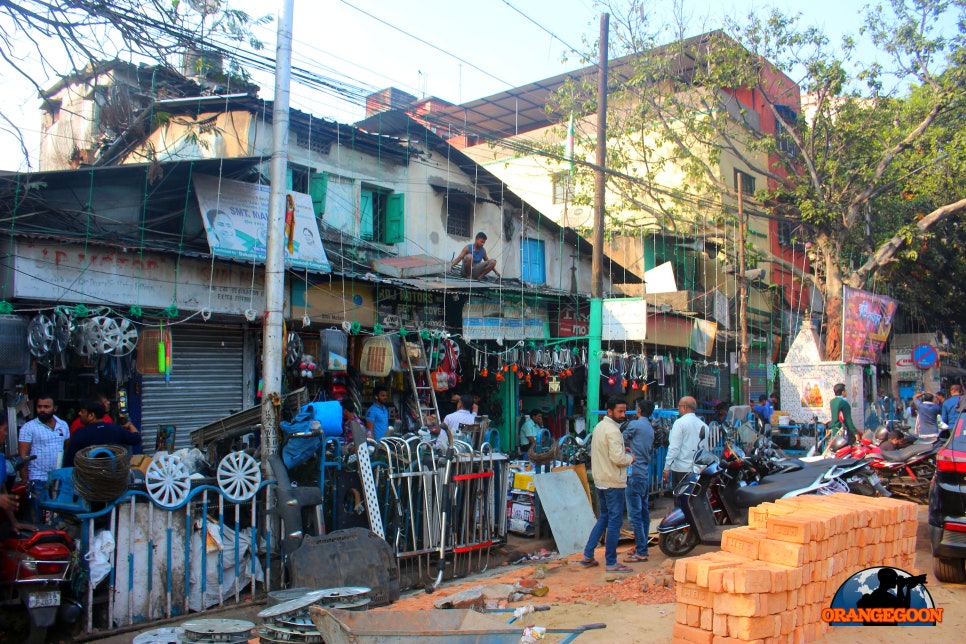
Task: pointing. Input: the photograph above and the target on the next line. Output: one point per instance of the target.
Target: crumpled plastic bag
(100, 556)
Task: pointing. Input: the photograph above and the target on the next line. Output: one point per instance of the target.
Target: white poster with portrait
(235, 217)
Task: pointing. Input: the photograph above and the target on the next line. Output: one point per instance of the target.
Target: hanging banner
(702, 337)
(624, 319)
(235, 217)
(496, 321)
(866, 324)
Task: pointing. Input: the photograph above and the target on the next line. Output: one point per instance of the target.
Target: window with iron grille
(561, 187)
(783, 138)
(747, 182)
(459, 215)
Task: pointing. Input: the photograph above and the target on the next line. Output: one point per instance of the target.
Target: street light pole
(275, 251)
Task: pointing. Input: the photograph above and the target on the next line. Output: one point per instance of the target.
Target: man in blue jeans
(639, 437)
(609, 461)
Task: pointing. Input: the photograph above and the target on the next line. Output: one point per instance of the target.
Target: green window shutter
(318, 188)
(395, 228)
(288, 178)
(366, 215)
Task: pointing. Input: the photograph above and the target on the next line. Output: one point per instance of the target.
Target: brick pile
(772, 578)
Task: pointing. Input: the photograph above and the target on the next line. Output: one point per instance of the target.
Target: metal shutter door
(206, 382)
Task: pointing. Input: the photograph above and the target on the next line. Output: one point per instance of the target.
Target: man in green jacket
(609, 460)
(841, 413)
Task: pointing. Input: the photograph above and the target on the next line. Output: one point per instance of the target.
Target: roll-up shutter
(206, 382)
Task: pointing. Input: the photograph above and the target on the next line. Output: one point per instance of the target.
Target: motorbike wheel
(949, 570)
(677, 543)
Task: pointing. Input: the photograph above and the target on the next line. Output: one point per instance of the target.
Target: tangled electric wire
(104, 476)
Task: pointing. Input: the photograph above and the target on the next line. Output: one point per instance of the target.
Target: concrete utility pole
(600, 216)
(743, 381)
(275, 252)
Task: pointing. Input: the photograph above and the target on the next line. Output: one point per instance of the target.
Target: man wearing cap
(475, 261)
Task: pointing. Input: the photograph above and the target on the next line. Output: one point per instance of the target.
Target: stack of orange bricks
(772, 578)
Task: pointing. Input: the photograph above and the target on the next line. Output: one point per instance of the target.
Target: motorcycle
(906, 471)
(35, 568)
(721, 494)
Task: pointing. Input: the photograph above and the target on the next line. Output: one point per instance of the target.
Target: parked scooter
(722, 493)
(35, 568)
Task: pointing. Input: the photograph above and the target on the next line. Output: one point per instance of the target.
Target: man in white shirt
(463, 414)
(46, 438)
(684, 441)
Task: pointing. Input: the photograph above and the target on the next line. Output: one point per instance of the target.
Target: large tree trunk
(833, 304)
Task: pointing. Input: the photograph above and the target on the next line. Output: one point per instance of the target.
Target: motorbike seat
(904, 454)
(775, 486)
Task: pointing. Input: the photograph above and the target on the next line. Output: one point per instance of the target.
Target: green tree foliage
(868, 170)
(42, 39)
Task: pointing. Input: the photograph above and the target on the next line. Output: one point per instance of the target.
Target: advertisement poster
(812, 394)
(867, 322)
(235, 217)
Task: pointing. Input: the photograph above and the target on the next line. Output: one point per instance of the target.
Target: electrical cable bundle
(101, 472)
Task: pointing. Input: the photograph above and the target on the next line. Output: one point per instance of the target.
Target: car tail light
(955, 527)
(950, 460)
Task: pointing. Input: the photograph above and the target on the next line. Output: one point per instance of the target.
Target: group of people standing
(621, 464)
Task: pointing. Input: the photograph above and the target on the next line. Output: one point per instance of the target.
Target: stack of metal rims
(217, 631)
(289, 621)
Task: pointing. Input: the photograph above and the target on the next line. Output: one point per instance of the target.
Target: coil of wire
(101, 472)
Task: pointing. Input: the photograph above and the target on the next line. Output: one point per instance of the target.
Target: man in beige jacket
(609, 460)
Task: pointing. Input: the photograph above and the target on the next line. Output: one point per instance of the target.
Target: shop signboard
(574, 322)
(235, 218)
(94, 275)
(398, 307)
(866, 324)
(491, 321)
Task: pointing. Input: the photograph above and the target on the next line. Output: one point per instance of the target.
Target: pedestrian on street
(377, 418)
(639, 437)
(841, 412)
(609, 460)
(950, 406)
(927, 413)
(46, 438)
(684, 442)
(95, 431)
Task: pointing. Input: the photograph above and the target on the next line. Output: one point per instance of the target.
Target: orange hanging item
(290, 223)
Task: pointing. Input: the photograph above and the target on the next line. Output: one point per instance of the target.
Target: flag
(569, 145)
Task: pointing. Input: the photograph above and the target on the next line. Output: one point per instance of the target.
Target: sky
(456, 50)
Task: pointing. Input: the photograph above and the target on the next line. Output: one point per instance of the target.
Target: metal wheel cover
(239, 476)
(79, 338)
(127, 338)
(293, 349)
(104, 335)
(63, 330)
(40, 335)
(168, 481)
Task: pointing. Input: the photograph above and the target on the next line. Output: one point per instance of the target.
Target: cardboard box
(523, 481)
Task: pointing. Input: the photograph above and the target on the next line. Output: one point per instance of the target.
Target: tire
(949, 570)
(677, 543)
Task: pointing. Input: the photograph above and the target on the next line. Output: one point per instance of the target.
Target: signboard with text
(866, 321)
(92, 275)
(235, 217)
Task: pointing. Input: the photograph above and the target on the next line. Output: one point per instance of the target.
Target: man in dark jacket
(95, 431)
(639, 437)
